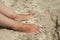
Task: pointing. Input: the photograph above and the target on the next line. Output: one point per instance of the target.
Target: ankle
(17, 26)
(15, 16)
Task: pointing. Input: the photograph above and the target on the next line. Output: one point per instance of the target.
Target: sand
(45, 17)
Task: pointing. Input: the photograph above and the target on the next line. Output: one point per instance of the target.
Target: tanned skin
(10, 19)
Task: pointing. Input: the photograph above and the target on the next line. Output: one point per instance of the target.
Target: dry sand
(45, 17)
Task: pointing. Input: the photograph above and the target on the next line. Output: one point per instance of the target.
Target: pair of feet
(8, 18)
(24, 27)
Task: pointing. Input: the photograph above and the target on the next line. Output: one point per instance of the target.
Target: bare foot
(28, 28)
(23, 16)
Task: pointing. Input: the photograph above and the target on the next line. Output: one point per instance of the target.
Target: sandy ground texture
(47, 17)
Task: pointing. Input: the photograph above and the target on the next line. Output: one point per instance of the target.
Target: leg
(6, 22)
(11, 14)
(6, 11)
